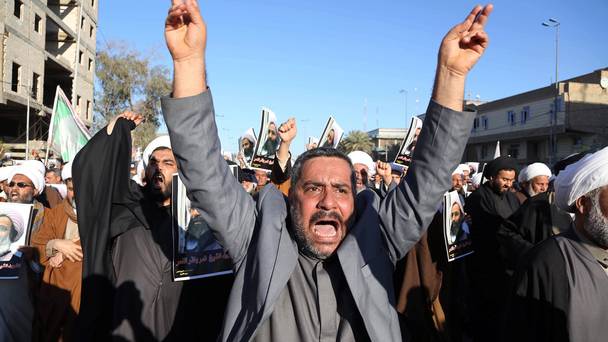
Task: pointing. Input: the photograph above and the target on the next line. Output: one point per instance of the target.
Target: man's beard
(5, 244)
(159, 195)
(596, 224)
(305, 245)
(531, 191)
(25, 200)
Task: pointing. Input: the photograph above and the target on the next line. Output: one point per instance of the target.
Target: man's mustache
(324, 214)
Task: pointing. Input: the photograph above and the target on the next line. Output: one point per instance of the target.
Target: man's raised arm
(407, 211)
(190, 119)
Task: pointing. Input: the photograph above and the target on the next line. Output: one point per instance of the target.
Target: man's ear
(582, 205)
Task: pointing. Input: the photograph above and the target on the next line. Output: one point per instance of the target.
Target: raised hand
(460, 50)
(384, 170)
(186, 37)
(288, 131)
(464, 44)
(135, 117)
(185, 31)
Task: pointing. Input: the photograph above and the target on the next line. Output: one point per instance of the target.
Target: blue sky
(311, 59)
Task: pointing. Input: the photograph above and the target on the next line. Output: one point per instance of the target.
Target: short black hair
(327, 152)
(55, 171)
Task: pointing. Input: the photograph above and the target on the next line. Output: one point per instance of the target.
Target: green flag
(67, 133)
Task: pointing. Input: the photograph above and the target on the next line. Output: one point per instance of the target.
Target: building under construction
(45, 44)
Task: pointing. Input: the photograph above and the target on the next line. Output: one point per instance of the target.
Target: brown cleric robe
(59, 296)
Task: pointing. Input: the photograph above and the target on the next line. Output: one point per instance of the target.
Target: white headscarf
(360, 157)
(535, 170)
(522, 177)
(30, 172)
(249, 135)
(161, 141)
(580, 178)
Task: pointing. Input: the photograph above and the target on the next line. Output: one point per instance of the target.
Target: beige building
(45, 44)
(386, 142)
(524, 123)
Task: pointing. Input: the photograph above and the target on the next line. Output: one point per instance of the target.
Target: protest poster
(404, 157)
(15, 224)
(455, 228)
(268, 142)
(196, 252)
(332, 134)
(246, 148)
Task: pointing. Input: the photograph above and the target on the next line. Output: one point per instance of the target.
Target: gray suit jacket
(258, 237)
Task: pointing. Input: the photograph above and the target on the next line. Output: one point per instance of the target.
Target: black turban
(500, 163)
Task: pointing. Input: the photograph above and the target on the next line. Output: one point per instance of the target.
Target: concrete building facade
(45, 44)
(525, 123)
(386, 142)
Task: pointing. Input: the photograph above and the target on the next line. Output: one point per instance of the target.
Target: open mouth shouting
(326, 228)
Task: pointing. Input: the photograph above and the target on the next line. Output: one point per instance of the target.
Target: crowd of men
(329, 247)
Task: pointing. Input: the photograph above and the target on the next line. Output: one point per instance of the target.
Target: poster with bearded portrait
(455, 228)
(332, 134)
(196, 252)
(406, 150)
(268, 142)
(15, 224)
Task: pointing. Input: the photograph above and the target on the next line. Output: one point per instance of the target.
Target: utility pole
(552, 138)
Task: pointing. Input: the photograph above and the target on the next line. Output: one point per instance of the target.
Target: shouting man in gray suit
(318, 265)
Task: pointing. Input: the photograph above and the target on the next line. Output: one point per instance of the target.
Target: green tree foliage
(126, 80)
(356, 141)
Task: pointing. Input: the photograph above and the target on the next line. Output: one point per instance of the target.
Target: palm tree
(356, 141)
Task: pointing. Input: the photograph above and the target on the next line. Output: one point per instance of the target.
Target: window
(78, 100)
(90, 64)
(18, 8)
(91, 31)
(80, 55)
(16, 79)
(475, 124)
(523, 115)
(513, 151)
(93, 3)
(88, 114)
(37, 21)
(82, 23)
(511, 117)
(484, 122)
(484, 151)
(35, 85)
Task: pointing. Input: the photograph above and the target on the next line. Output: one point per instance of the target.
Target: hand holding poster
(268, 142)
(404, 157)
(456, 230)
(196, 252)
(332, 134)
(15, 225)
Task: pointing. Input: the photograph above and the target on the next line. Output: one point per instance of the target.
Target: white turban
(161, 141)
(30, 172)
(473, 165)
(360, 157)
(476, 179)
(17, 219)
(460, 169)
(5, 172)
(580, 178)
(36, 164)
(66, 172)
(249, 135)
(535, 170)
(522, 176)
